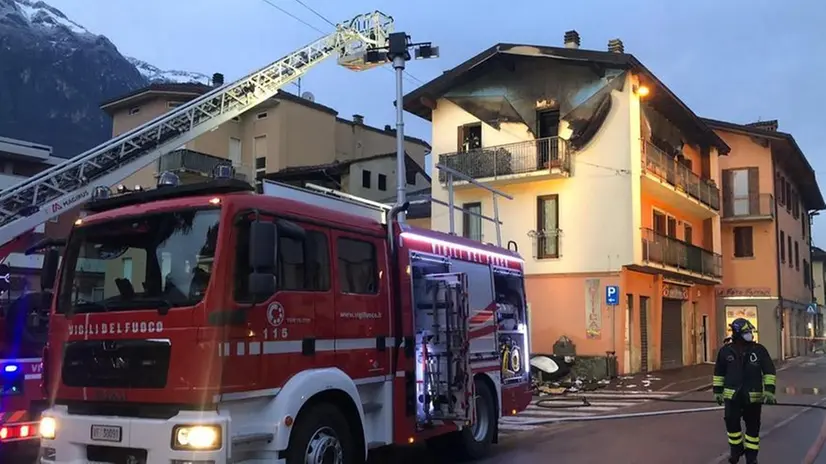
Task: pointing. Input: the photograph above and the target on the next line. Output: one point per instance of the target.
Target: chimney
(572, 39)
(217, 80)
(387, 128)
(770, 126)
(616, 46)
(358, 119)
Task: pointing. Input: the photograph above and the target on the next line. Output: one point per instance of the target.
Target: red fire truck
(289, 326)
(23, 325)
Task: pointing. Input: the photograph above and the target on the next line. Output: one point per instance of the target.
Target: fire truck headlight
(48, 427)
(196, 437)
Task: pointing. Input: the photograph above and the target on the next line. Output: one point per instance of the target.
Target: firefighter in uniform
(744, 379)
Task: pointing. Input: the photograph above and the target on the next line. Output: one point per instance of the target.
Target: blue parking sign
(612, 295)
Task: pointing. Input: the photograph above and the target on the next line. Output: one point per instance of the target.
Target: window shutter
(728, 193)
(754, 190)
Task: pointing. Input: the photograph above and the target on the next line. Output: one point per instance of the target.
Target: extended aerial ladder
(70, 184)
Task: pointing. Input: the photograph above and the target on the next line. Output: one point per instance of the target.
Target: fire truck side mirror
(263, 252)
(48, 273)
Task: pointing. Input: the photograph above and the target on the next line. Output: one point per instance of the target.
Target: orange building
(769, 192)
(614, 183)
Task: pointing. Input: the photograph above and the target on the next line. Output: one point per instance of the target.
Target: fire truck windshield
(150, 261)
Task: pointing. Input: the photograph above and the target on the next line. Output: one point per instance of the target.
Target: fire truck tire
(321, 435)
(473, 442)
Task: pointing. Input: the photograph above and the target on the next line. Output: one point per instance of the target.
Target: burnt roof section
(337, 168)
(420, 101)
(193, 90)
(791, 156)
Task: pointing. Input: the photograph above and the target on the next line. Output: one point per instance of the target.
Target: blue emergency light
(9, 368)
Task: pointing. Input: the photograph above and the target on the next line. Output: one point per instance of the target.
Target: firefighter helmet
(741, 326)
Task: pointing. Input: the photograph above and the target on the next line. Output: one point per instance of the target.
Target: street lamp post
(397, 52)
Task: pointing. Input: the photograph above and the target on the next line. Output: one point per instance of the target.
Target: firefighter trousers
(747, 443)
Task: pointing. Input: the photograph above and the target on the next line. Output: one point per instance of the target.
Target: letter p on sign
(612, 295)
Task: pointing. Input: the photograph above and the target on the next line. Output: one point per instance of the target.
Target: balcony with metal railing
(193, 166)
(679, 256)
(521, 161)
(661, 168)
(752, 207)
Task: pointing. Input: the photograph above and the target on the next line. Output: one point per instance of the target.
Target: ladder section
(445, 386)
(71, 184)
(328, 198)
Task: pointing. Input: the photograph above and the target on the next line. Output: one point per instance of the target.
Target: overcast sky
(736, 60)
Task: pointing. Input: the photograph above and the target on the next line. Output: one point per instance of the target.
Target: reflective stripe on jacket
(746, 368)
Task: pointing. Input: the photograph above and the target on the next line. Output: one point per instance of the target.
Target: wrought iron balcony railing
(669, 251)
(193, 161)
(759, 205)
(548, 154)
(678, 175)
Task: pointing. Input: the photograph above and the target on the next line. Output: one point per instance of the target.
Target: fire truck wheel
(321, 436)
(473, 442)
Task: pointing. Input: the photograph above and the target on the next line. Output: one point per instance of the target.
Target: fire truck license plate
(106, 433)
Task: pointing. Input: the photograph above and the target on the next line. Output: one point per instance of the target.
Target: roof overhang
(422, 101)
(788, 153)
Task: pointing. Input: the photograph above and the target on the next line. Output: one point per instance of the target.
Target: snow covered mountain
(54, 73)
(156, 75)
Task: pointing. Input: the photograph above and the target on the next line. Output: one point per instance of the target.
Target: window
(261, 115)
(260, 163)
(743, 242)
(164, 257)
(795, 205)
(780, 189)
(135, 110)
(382, 182)
(547, 227)
(789, 240)
(659, 222)
(782, 247)
(303, 265)
(803, 220)
(410, 174)
(127, 269)
(796, 256)
(472, 224)
(807, 278)
(740, 191)
(470, 137)
(357, 266)
(788, 194)
(689, 233)
(365, 178)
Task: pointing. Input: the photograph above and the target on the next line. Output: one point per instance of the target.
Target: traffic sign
(812, 308)
(612, 295)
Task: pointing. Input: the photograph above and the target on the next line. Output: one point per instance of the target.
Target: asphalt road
(788, 433)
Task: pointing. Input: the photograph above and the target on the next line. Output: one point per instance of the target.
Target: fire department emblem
(275, 314)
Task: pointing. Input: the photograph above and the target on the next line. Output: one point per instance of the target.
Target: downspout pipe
(779, 268)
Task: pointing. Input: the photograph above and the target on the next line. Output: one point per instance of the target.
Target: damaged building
(614, 183)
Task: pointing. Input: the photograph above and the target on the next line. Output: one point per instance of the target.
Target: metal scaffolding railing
(678, 175)
(669, 251)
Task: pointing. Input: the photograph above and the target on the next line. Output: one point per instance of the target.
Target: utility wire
(316, 13)
(328, 21)
(268, 2)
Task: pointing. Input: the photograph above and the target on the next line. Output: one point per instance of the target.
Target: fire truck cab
(288, 327)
